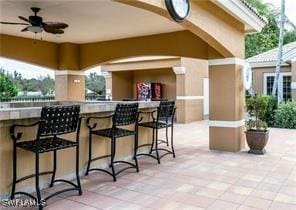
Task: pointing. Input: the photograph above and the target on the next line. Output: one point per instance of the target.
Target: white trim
(293, 85)
(179, 70)
(190, 97)
(106, 74)
(226, 61)
(241, 12)
(265, 64)
(227, 124)
(69, 72)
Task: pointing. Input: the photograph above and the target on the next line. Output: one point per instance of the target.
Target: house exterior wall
(258, 77)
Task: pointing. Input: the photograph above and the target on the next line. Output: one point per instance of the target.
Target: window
(269, 85)
(284, 92)
(286, 88)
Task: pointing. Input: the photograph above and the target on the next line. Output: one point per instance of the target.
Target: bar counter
(27, 113)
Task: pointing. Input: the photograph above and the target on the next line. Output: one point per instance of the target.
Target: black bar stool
(164, 119)
(54, 121)
(125, 114)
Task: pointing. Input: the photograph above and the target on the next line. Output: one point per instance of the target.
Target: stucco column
(227, 96)
(180, 91)
(293, 84)
(189, 89)
(69, 79)
(108, 84)
(69, 86)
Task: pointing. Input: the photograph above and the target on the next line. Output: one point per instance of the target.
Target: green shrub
(256, 107)
(268, 115)
(285, 115)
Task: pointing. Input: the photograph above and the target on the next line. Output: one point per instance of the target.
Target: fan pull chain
(35, 39)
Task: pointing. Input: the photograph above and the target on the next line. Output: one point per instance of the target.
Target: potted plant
(257, 133)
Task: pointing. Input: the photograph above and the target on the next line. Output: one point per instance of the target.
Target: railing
(95, 98)
(27, 99)
(48, 98)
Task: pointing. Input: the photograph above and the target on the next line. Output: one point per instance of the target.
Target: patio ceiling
(89, 20)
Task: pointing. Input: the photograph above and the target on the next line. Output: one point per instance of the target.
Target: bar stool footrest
(33, 175)
(66, 181)
(23, 193)
(145, 154)
(60, 192)
(102, 170)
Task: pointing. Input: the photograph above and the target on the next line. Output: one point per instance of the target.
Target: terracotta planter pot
(257, 140)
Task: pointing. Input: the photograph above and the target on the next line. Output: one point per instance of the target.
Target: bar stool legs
(156, 146)
(89, 152)
(77, 170)
(54, 167)
(172, 141)
(38, 194)
(113, 150)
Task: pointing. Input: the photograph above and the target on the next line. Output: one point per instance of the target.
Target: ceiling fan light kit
(36, 25)
(35, 29)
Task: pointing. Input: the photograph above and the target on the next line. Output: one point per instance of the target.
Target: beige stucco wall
(122, 85)
(189, 85)
(258, 77)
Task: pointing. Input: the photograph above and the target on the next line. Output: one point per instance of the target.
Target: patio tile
(218, 186)
(209, 192)
(258, 203)
(281, 206)
(69, 205)
(197, 179)
(222, 205)
(268, 195)
(200, 201)
(233, 197)
(285, 198)
(240, 190)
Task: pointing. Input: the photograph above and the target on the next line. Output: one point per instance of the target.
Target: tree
(268, 38)
(7, 88)
(46, 85)
(95, 83)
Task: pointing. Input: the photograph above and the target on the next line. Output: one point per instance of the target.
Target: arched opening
(28, 82)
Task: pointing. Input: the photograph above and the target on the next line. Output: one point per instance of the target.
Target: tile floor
(197, 179)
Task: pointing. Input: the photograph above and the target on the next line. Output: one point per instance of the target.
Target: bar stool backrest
(125, 114)
(57, 120)
(166, 111)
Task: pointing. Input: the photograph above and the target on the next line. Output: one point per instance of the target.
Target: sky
(290, 8)
(29, 71)
(32, 71)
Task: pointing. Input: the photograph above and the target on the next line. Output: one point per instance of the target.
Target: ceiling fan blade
(56, 25)
(53, 30)
(25, 29)
(12, 23)
(24, 19)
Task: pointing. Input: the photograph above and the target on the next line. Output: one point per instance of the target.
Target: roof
(243, 12)
(269, 58)
(254, 10)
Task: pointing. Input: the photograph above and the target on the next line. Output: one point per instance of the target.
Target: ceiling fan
(35, 24)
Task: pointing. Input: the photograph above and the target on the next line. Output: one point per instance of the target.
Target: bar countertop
(21, 110)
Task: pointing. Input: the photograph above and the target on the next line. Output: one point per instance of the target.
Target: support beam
(227, 96)
(69, 86)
